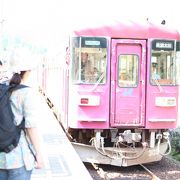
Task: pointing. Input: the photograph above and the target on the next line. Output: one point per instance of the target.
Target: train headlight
(165, 101)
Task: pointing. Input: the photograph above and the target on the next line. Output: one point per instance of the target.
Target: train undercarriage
(121, 147)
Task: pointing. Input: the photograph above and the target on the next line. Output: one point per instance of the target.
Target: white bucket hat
(22, 59)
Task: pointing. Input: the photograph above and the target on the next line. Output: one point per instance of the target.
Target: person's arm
(31, 113)
(34, 137)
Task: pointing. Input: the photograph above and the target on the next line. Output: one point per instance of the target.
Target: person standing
(155, 75)
(85, 67)
(20, 162)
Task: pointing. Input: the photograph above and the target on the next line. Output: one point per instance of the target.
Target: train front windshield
(163, 63)
(89, 60)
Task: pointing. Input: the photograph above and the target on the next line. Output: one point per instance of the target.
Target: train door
(128, 82)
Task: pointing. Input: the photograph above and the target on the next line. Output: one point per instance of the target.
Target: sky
(47, 23)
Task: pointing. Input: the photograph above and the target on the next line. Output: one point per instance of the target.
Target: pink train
(116, 92)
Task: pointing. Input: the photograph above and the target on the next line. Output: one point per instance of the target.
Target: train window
(163, 65)
(89, 60)
(128, 70)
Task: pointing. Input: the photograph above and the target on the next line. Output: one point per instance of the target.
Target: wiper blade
(158, 85)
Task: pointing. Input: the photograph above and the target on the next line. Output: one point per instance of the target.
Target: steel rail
(154, 177)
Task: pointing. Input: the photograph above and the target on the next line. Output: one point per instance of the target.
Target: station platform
(61, 160)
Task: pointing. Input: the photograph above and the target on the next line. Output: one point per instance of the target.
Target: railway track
(164, 170)
(106, 173)
(100, 171)
(154, 177)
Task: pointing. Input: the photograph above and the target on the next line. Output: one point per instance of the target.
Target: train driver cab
(89, 60)
(163, 66)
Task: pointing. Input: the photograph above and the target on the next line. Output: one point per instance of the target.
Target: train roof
(128, 29)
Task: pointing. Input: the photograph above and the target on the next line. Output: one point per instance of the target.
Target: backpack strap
(14, 87)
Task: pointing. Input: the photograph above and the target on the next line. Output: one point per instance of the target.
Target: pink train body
(119, 103)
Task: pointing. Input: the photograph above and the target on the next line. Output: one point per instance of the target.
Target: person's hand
(39, 163)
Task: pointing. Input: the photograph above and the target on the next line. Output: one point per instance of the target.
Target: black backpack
(9, 132)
